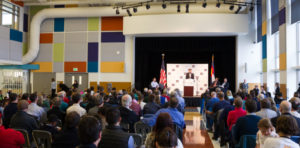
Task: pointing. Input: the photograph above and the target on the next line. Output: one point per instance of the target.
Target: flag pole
(163, 56)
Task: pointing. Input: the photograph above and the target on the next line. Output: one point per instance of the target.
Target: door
(42, 82)
(82, 79)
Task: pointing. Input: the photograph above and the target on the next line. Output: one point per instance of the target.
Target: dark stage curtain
(183, 50)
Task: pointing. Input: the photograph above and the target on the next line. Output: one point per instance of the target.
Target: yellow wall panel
(44, 66)
(114, 67)
(282, 61)
(117, 85)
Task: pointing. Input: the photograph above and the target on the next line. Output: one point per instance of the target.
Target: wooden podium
(188, 91)
(188, 88)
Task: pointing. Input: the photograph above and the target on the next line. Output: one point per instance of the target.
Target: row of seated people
(261, 119)
(24, 119)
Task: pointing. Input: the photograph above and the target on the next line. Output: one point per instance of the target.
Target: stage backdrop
(176, 77)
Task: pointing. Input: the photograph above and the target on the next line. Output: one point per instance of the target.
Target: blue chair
(247, 141)
(295, 139)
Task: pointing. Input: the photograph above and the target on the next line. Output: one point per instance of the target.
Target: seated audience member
(90, 100)
(141, 100)
(163, 98)
(229, 96)
(68, 136)
(101, 114)
(266, 130)
(76, 106)
(167, 139)
(98, 102)
(147, 93)
(181, 101)
(113, 135)
(63, 104)
(10, 138)
(10, 109)
(278, 98)
(285, 109)
(25, 96)
(56, 111)
(216, 114)
(266, 111)
(286, 127)
(295, 106)
(35, 110)
(247, 125)
(135, 107)
(128, 116)
(151, 107)
(165, 94)
(51, 125)
(163, 120)
(238, 112)
(89, 131)
(177, 117)
(209, 106)
(22, 120)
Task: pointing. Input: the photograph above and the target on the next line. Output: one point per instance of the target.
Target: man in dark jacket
(128, 116)
(68, 137)
(56, 110)
(151, 107)
(113, 135)
(22, 120)
(10, 109)
(89, 131)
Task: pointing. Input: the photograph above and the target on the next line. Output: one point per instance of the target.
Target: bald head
(126, 101)
(285, 107)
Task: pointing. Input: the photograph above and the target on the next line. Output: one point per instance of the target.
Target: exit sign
(75, 69)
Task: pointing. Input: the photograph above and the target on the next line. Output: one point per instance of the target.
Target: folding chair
(42, 139)
(26, 137)
(142, 129)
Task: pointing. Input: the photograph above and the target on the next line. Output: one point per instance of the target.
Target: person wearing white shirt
(266, 111)
(53, 88)
(286, 127)
(154, 84)
(34, 109)
(76, 106)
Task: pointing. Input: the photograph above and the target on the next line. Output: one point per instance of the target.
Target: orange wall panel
(112, 23)
(117, 85)
(44, 66)
(80, 66)
(46, 38)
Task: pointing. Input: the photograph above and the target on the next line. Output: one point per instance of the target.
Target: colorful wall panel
(11, 44)
(75, 67)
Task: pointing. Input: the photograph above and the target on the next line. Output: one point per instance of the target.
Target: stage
(192, 101)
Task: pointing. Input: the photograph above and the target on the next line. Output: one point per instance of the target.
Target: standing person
(154, 84)
(10, 109)
(53, 88)
(277, 90)
(189, 75)
(75, 85)
(244, 85)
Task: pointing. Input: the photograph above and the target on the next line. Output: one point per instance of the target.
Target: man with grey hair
(285, 109)
(180, 99)
(128, 116)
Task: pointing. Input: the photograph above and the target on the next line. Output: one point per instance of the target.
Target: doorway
(82, 79)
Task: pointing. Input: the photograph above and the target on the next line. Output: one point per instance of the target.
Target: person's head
(295, 103)
(126, 101)
(265, 103)
(265, 126)
(33, 98)
(262, 88)
(75, 81)
(61, 94)
(101, 89)
(76, 97)
(22, 105)
(277, 84)
(113, 116)
(173, 102)
(238, 102)
(213, 94)
(151, 98)
(250, 106)
(89, 130)
(25, 96)
(245, 80)
(217, 79)
(167, 138)
(56, 102)
(163, 120)
(178, 93)
(190, 70)
(53, 119)
(221, 95)
(285, 107)
(71, 120)
(255, 86)
(286, 126)
(229, 93)
(296, 94)
(52, 79)
(154, 79)
(225, 79)
(13, 97)
(102, 111)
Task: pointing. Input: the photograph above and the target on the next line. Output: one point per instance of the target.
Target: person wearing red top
(238, 112)
(10, 138)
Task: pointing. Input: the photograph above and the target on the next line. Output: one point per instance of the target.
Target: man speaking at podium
(189, 75)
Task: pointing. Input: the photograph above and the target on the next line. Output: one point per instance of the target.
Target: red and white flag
(163, 77)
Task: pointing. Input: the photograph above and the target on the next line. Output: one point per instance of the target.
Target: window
(10, 14)
(276, 53)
